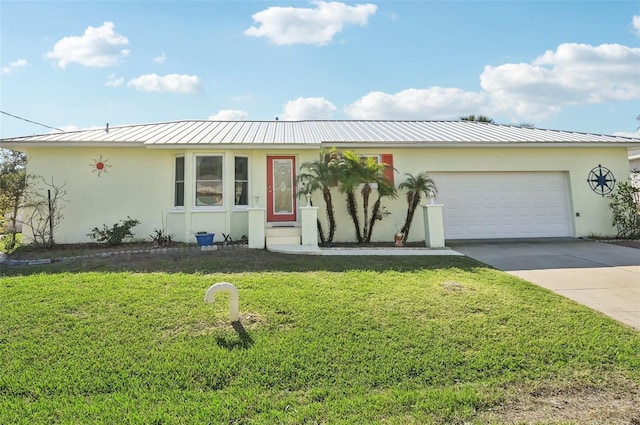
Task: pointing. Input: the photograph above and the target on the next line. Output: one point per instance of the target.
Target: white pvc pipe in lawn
(234, 298)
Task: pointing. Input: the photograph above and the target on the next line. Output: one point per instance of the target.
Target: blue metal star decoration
(601, 180)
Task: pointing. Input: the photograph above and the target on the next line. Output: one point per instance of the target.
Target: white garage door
(504, 205)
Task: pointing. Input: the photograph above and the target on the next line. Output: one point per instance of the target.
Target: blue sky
(568, 65)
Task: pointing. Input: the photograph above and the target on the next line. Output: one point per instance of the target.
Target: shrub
(116, 234)
(625, 206)
(161, 238)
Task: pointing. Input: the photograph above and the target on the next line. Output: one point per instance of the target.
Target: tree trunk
(414, 207)
(409, 215)
(366, 191)
(321, 233)
(326, 193)
(352, 208)
(374, 217)
(14, 228)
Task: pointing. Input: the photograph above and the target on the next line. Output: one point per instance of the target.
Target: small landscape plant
(7, 245)
(115, 234)
(161, 237)
(624, 203)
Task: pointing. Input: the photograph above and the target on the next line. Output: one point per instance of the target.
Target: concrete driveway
(599, 275)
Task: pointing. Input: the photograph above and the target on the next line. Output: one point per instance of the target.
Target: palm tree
(385, 189)
(415, 185)
(350, 177)
(321, 175)
(357, 171)
(370, 173)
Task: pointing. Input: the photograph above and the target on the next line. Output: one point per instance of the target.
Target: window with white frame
(241, 181)
(209, 187)
(178, 187)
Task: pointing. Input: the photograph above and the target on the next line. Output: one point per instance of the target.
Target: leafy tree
(13, 185)
(625, 207)
(478, 118)
(321, 174)
(415, 186)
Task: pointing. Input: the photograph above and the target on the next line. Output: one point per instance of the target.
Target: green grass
(322, 340)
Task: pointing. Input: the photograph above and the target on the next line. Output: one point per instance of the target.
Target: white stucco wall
(135, 184)
(139, 183)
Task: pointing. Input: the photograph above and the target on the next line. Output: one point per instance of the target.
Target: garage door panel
(504, 205)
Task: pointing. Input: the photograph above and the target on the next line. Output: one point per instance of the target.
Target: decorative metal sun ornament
(100, 165)
(601, 180)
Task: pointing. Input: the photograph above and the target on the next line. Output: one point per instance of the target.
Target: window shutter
(387, 159)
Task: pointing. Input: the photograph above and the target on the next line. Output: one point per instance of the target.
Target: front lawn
(329, 340)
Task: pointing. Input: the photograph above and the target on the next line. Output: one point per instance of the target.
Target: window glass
(178, 200)
(209, 181)
(241, 181)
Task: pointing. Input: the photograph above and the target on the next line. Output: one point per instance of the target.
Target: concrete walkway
(602, 276)
(315, 250)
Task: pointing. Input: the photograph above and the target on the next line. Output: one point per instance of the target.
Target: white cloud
(434, 103)
(98, 47)
(73, 127)
(290, 25)
(636, 25)
(20, 63)
(172, 83)
(113, 81)
(574, 74)
(307, 108)
(70, 127)
(229, 115)
(635, 135)
(160, 59)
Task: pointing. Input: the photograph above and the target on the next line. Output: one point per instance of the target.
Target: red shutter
(387, 159)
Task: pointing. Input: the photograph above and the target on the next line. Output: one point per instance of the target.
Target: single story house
(495, 181)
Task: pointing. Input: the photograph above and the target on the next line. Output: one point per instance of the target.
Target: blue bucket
(205, 239)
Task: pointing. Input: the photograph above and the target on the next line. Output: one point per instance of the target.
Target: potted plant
(205, 238)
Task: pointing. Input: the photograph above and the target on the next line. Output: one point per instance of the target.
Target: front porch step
(283, 236)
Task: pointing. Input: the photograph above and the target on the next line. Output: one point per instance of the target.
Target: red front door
(281, 188)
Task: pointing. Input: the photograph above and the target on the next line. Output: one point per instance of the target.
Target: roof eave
(26, 145)
(452, 144)
(234, 146)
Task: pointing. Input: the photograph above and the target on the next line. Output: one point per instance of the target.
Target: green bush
(115, 234)
(625, 207)
(6, 244)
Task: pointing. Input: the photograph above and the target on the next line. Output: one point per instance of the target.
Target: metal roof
(313, 134)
